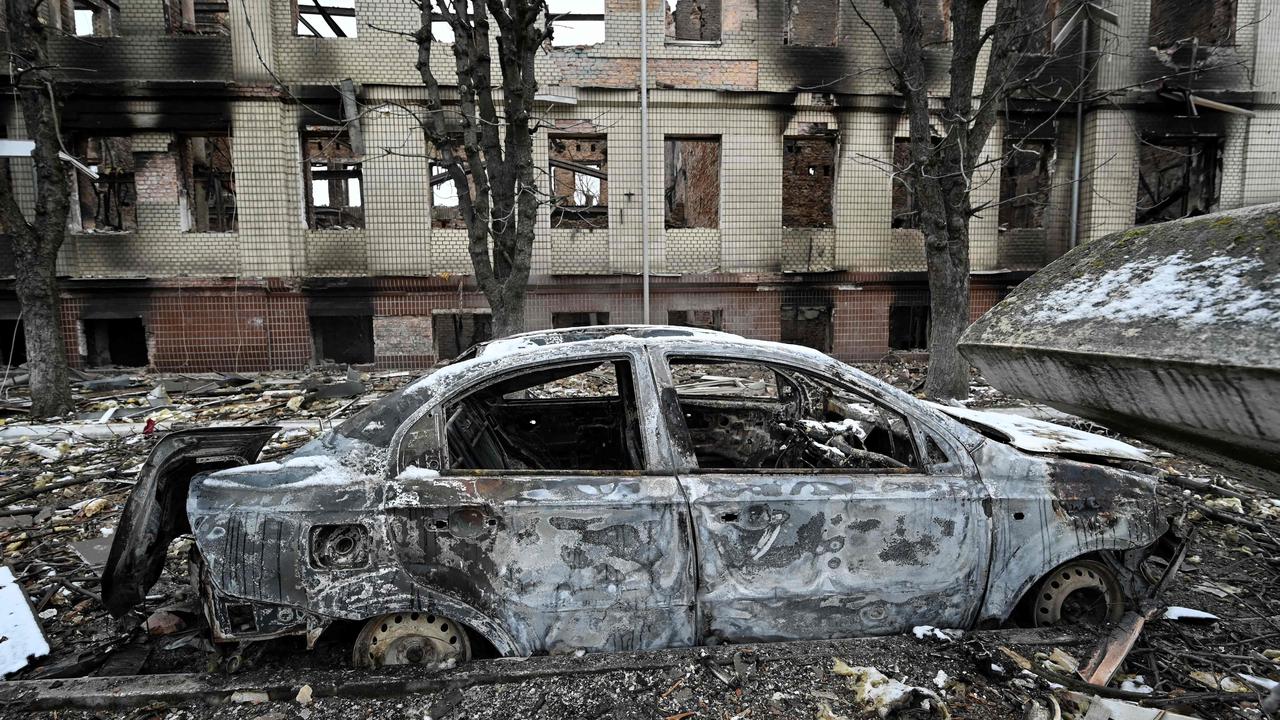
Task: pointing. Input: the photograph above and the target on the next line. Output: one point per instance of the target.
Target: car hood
(1038, 436)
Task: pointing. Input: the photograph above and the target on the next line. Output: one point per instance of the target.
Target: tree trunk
(37, 288)
(36, 242)
(508, 311)
(948, 263)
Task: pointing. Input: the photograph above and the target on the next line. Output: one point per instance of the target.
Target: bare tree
(494, 176)
(36, 241)
(940, 174)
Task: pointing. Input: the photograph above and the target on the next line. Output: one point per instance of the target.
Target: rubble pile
(1209, 647)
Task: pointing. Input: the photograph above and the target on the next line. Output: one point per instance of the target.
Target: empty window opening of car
(118, 342)
(579, 181)
(576, 23)
(580, 417)
(751, 416)
(343, 339)
(693, 21)
(326, 18)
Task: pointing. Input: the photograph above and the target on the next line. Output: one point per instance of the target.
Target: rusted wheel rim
(410, 638)
(1081, 592)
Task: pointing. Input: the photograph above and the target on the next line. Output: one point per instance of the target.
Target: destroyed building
(265, 197)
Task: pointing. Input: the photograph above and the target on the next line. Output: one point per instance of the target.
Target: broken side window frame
(316, 18)
(338, 178)
(682, 442)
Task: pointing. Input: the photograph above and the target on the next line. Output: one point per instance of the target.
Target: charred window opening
(199, 17)
(326, 18)
(935, 20)
(692, 187)
(87, 18)
(454, 332)
(705, 319)
(1040, 36)
(576, 23)
(693, 20)
(13, 342)
(1178, 177)
(579, 181)
(210, 183)
(110, 202)
(446, 212)
(1203, 22)
(909, 327)
(748, 416)
(808, 176)
(812, 23)
(564, 418)
(333, 179)
(807, 325)
(343, 339)
(1025, 181)
(115, 342)
(578, 319)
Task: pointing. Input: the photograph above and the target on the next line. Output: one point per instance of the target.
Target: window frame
(332, 173)
(682, 445)
(434, 412)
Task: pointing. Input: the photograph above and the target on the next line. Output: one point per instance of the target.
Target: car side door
(816, 535)
(543, 496)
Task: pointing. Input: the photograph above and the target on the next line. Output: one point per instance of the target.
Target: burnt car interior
(749, 416)
(565, 417)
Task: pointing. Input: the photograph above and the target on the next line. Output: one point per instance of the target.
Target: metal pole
(1079, 160)
(644, 151)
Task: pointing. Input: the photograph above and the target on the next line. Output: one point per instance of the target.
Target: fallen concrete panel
(1169, 333)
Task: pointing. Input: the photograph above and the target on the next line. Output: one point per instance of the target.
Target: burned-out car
(639, 487)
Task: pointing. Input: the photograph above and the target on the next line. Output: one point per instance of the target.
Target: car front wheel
(411, 638)
(1081, 592)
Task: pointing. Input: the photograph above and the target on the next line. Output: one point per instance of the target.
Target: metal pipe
(644, 152)
(1079, 154)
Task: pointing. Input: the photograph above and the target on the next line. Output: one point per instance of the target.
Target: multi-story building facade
(265, 197)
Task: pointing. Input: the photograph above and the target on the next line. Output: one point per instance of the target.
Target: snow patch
(413, 472)
(1175, 612)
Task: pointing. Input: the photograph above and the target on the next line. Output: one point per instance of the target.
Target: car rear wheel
(1081, 592)
(410, 638)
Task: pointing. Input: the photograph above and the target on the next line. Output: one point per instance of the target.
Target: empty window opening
(905, 212)
(578, 319)
(1025, 181)
(343, 339)
(1041, 35)
(115, 342)
(565, 418)
(579, 181)
(1177, 177)
(692, 187)
(909, 327)
(935, 20)
(454, 332)
(333, 179)
(748, 416)
(705, 319)
(13, 342)
(576, 23)
(202, 17)
(326, 18)
(210, 183)
(693, 20)
(1188, 22)
(110, 202)
(808, 176)
(811, 23)
(807, 325)
(90, 17)
(446, 212)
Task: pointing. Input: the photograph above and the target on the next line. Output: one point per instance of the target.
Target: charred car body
(626, 488)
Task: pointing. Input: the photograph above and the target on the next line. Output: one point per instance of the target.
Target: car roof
(560, 336)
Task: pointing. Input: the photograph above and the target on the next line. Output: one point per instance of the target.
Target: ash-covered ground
(61, 496)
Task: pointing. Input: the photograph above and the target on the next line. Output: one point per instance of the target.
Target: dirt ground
(60, 500)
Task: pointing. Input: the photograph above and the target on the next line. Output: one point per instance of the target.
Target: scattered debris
(886, 696)
(21, 639)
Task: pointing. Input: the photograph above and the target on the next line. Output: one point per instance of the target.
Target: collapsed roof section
(1170, 333)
